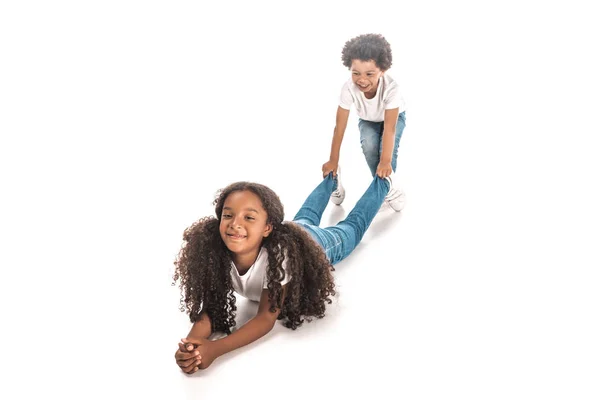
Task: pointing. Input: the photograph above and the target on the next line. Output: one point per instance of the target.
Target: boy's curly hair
(370, 46)
(204, 264)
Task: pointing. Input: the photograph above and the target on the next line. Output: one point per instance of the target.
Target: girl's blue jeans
(338, 241)
(370, 141)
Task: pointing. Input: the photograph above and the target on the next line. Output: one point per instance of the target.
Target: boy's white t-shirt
(387, 98)
(251, 284)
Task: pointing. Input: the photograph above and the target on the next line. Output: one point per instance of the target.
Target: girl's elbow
(269, 319)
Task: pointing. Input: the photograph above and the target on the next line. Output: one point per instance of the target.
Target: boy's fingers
(325, 173)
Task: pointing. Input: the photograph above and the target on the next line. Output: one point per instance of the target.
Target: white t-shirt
(251, 284)
(386, 98)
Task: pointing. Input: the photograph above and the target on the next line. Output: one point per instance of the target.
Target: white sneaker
(395, 197)
(339, 194)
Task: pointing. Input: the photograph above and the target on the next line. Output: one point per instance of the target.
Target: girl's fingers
(185, 355)
(189, 363)
(190, 341)
(188, 370)
(191, 368)
(186, 347)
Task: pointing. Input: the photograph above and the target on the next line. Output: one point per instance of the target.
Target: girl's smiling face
(244, 225)
(365, 75)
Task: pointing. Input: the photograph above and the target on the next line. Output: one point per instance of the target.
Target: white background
(120, 119)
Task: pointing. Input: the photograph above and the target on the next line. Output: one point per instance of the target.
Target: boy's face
(365, 75)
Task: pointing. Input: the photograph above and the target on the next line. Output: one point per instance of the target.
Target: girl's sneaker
(339, 194)
(395, 197)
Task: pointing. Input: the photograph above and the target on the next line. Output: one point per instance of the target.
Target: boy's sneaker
(395, 197)
(338, 195)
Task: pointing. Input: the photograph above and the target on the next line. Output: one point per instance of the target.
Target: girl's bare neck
(243, 262)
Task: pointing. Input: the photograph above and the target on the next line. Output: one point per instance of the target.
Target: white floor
(120, 122)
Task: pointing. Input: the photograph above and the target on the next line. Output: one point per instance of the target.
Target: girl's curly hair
(204, 263)
(371, 46)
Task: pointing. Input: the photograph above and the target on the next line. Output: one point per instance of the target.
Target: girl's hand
(330, 166)
(187, 357)
(205, 349)
(384, 169)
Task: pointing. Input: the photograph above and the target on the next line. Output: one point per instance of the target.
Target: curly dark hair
(370, 46)
(204, 262)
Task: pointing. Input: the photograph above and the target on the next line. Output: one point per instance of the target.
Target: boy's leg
(370, 141)
(352, 229)
(396, 196)
(314, 205)
(400, 125)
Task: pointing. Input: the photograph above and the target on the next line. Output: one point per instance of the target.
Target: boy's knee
(370, 148)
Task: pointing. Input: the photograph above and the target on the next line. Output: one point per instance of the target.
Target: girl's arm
(341, 120)
(201, 328)
(254, 329)
(389, 132)
(186, 356)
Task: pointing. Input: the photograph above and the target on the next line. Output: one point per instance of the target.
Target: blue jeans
(339, 241)
(370, 141)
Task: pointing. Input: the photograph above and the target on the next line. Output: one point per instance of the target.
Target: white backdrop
(120, 119)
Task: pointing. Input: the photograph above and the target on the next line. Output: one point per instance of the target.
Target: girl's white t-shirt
(251, 284)
(387, 98)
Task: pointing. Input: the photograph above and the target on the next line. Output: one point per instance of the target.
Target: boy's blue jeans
(370, 141)
(339, 241)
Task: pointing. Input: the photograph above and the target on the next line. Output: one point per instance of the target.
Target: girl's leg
(399, 129)
(349, 232)
(313, 207)
(329, 240)
(370, 141)
(309, 217)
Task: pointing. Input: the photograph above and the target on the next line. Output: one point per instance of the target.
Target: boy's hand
(330, 166)
(205, 348)
(187, 358)
(384, 169)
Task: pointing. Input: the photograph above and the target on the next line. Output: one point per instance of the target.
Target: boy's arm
(341, 121)
(253, 330)
(389, 132)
